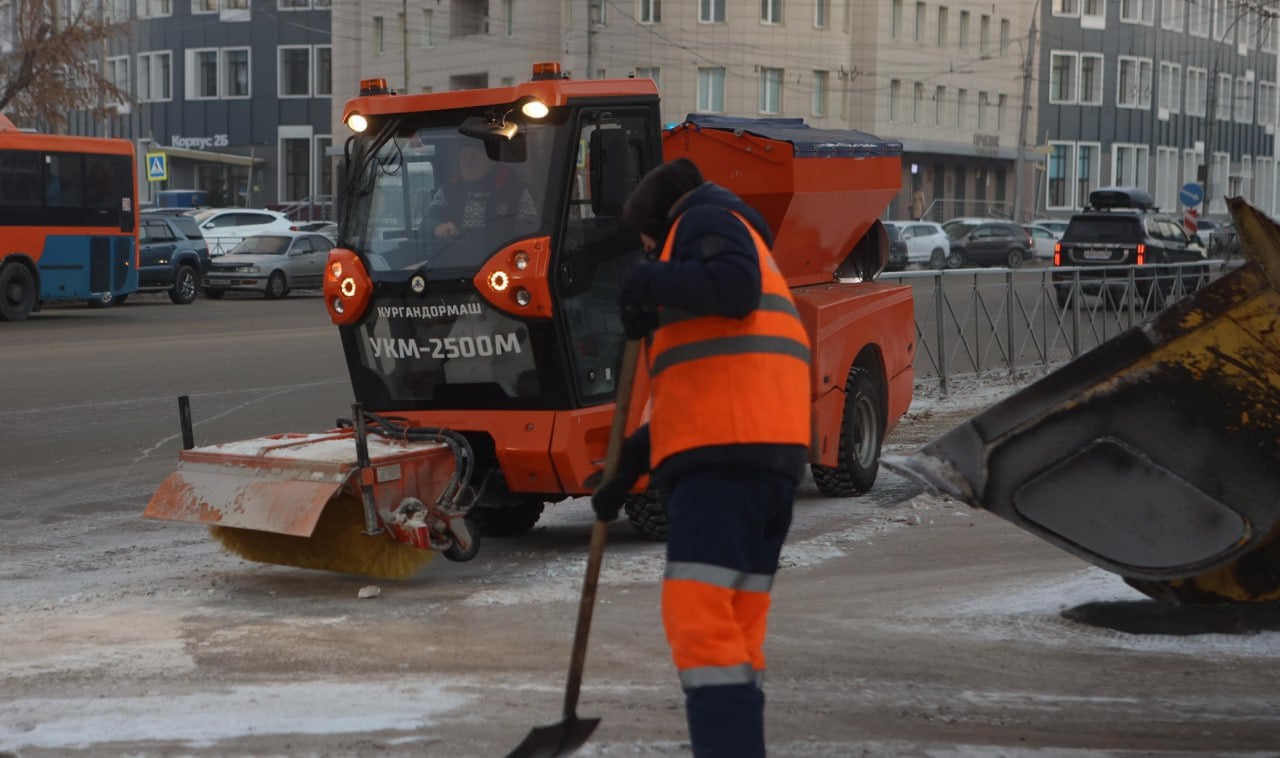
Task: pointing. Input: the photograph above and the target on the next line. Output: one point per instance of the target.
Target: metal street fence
(976, 321)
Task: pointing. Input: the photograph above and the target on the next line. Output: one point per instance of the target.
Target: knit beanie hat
(651, 201)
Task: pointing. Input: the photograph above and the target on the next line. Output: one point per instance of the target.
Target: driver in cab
(480, 191)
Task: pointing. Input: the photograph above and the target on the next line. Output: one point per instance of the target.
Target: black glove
(639, 316)
(633, 463)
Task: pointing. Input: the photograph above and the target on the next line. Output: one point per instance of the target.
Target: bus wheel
(17, 292)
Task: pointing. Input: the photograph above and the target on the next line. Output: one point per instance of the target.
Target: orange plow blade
(264, 499)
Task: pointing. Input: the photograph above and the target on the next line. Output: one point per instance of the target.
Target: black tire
(507, 521)
(1015, 257)
(647, 514)
(17, 292)
(955, 259)
(937, 259)
(214, 294)
(455, 553)
(277, 286)
(186, 283)
(861, 435)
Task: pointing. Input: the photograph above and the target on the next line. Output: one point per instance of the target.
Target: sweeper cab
(475, 288)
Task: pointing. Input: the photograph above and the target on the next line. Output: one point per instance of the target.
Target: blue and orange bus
(68, 220)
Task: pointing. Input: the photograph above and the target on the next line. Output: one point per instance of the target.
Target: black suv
(1122, 232)
(990, 243)
(173, 256)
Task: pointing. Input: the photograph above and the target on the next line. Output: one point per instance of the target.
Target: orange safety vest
(716, 380)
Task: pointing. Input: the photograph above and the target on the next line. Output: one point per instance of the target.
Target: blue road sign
(1191, 194)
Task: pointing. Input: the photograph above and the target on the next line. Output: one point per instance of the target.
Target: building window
(943, 12)
(1066, 7)
(1244, 100)
(1137, 11)
(324, 71)
(711, 90)
(428, 25)
(1198, 18)
(1222, 98)
(1088, 171)
(1129, 165)
(1173, 14)
(1004, 36)
(770, 90)
(154, 8)
(820, 93)
(920, 23)
(650, 11)
(653, 72)
(295, 71)
(964, 29)
(1090, 79)
(155, 77)
(1062, 77)
(1197, 91)
(1133, 82)
(1059, 184)
(983, 102)
(711, 12)
(895, 19)
(771, 11)
(821, 14)
(939, 106)
(118, 75)
(1170, 88)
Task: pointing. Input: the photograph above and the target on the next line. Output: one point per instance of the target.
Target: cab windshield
(432, 197)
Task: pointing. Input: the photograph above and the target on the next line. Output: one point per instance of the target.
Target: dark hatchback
(1119, 233)
(991, 243)
(173, 256)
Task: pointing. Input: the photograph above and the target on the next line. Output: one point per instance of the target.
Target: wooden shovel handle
(600, 530)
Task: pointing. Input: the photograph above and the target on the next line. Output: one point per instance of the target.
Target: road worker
(727, 438)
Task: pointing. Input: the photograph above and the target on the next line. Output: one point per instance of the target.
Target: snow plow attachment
(337, 501)
(1155, 456)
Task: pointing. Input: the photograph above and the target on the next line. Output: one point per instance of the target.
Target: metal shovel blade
(557, 739)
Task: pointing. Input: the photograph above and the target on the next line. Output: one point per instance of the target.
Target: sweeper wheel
(338, 543)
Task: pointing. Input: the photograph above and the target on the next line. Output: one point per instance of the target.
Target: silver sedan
(271, 264)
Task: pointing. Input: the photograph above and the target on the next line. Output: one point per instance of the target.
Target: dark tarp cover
(806, 142)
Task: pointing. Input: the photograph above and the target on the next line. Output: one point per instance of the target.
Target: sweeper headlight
(347, 286)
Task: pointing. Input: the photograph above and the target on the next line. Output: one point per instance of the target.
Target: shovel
(567, 736)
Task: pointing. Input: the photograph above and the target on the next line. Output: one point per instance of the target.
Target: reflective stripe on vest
(719, 576)
(725, 381)
(715, 676)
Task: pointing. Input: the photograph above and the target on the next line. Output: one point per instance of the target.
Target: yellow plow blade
(1155, 456)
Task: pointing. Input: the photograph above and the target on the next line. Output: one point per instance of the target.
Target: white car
(271, 264)
(224, 228)
(1044, 239)
(927, 244)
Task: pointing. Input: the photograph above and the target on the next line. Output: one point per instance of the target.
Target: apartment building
(1158, 93)
(944, 78)
(236, 94)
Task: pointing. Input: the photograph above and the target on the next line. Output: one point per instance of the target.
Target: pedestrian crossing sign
(157, 167)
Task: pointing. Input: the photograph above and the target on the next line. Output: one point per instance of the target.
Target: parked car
(224, 228)
(1044, 239)
(999, 243)
(1055, 225)
(1120, 229)
(271, 264)
(172, 256)
(927, 244)
(897, 248)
